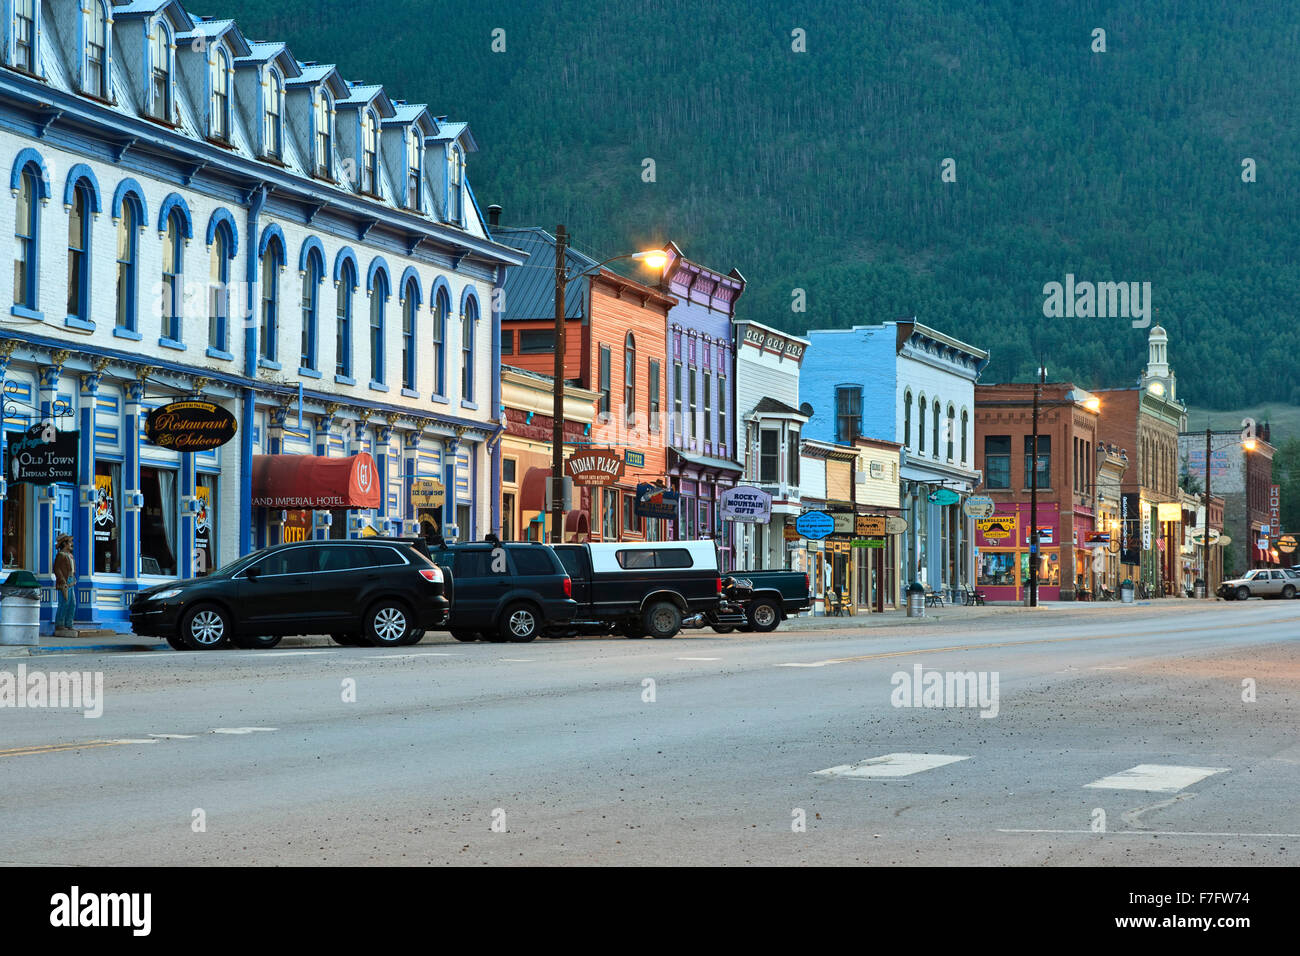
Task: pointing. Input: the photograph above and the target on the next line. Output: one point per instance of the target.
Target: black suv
(510, 591)
(377, 592)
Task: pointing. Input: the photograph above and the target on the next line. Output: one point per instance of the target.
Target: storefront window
(507, 517)
(997, 569)
(107, 517)
(629, 514)
(1049, 569)
(205, 525)
(609, 527)
(463, 523)
(15, 530)
(158, 521)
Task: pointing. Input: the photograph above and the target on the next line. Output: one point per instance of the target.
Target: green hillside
(821, 170)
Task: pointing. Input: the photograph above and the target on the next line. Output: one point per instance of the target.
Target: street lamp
(653, 259)
(1248, 445)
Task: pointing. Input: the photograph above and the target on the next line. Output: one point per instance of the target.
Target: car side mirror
(252, 573)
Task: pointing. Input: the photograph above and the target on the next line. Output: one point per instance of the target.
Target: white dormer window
(160, 69)
(220, 105)
(274, 130)
(455, 184)
(25, 33)
(324, 125)
(414, 170)
(94, 77)
(370, 153)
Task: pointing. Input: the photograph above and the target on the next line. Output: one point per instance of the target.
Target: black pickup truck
(772, 597)
(642, 588)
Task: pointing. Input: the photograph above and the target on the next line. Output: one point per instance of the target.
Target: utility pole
(1205, 542)
(557, 426)
(1033, 496)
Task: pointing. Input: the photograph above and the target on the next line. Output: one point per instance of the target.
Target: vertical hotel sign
(1275, 509)
(1130, 521)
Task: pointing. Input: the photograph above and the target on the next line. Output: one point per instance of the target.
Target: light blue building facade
(904, 382)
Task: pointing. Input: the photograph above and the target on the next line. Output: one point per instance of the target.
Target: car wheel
(764, 616)
(1288, 592)
(346, 640)
(205, 627)
(723, 628)
(388, 623)
(249, 642)
(415, 637)
(176, 642)
(467, 637)
(662, 619)
(1243, 593)
(519, 624)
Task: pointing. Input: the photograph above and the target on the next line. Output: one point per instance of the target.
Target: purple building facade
(702, 448)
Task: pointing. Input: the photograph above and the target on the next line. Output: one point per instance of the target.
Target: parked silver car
(1262, 582)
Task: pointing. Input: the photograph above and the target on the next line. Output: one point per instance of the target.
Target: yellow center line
(55, 748)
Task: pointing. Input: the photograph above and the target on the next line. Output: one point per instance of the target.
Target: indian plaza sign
(594, 467)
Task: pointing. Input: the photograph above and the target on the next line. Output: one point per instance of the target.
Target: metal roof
(530, 288)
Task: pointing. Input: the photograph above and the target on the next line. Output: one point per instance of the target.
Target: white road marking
(890, 765)
(817, 664)
(1151, 833)
(404, 657)
(699, 658)
(243, 730)
(284, 653)
(1119, 668)
(1132, 817)
(1159, 778)
(517, 660)
(132, 740)
(174, 736)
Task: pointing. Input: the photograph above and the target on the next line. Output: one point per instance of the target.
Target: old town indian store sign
(190, 425)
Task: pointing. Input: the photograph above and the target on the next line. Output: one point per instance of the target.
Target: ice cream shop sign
(190, 425)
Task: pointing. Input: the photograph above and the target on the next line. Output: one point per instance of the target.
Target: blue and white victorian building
(194, 212)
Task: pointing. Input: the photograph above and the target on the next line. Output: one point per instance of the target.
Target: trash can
(1198, 588)
(1126, 591)
(916, 599)
(20, 609)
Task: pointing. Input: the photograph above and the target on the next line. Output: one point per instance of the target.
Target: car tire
(764, 616)
(388, 623)
(176, 643)
(205, 628)
(467, 637)
(415, 637)
(248, 642)
(723, 628)
(1288, 592)
(662, 620)
(1243, 593)
(346, 640)
(520, 623)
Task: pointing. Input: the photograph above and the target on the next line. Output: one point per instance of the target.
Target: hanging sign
(945, 496)
(635, 459)
(655, 501)
(895, 525)
(979, 506)
(427, 493)
(1286, 543)
(745, 503)
(594, 467)
(870, 526)
(996, 528)
(815, 525)
(35, 461)
(843, 521)
(190, 425)
(1169, 511)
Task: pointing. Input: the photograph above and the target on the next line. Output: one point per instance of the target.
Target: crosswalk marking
(1155, 777)
(891, 765)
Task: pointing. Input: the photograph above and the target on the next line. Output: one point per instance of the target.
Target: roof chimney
(494, 215)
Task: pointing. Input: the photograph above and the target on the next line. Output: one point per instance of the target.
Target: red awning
(310, 481)
(577, 527)
(532, 490)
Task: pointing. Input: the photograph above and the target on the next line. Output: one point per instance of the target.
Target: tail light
(568, 586)
(807, 586)
(432, 575)
(719, 585)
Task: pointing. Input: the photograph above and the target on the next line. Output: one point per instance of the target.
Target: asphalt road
(245, 757)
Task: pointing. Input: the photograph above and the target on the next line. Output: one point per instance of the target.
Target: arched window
(272, 261)
(920, 423)
(410, 303)
(414, 169)
(160, 69)
(311, 279)
(26, 245)
(128, 231)
(173, 286)
(965, 432)
(274, 130)
(219, 120)
(370, 153)
(442, 311)
(907, 419)
(629, 380)
(218, 284)
(935, 426)
(324, 123)
(78, 254)
(455, 185)
(377, 296)
(952, 430)
(25, 32)
(94, 78)
(343, 322)
(468, 326)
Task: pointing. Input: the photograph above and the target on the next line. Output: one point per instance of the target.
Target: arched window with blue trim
(311, 280)
(27, 239)
(272, 262)
(410, 307)
(468, 328)
(441, 313)
(378, 295)
(173, 285)
(130, 219)
(79, 211)
(347, 284)
(94, 72)
(222, 251)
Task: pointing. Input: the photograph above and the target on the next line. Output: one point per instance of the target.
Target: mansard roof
(212, 31)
